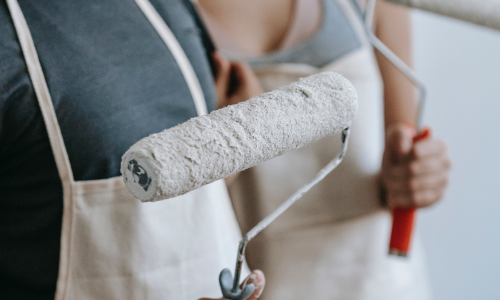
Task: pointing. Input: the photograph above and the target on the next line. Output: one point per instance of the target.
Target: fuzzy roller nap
(480, 12)
(211, 147)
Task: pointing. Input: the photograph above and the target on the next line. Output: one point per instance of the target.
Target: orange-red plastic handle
(403, 218)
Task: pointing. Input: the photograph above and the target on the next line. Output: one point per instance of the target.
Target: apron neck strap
(350, 10)
(41, 91)
(175, 48)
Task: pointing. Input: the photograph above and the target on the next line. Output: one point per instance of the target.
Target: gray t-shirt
(113, 81)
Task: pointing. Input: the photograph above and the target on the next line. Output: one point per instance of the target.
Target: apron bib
(332, 244)
(113, 246)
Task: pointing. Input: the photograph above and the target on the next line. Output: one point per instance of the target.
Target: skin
(234, 81)
(257, 278)
(257, 25)
(413, 174)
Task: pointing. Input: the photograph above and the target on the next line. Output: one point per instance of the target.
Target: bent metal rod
(285, 205)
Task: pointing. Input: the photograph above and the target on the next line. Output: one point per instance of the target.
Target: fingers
(246, 78)
(429, 147)
(429, 164)
(223, 72)
(418, 179)
(419, 199)
(234, 81)
(258, 280)
(420, 183)
(222, 68)
(243, 83)
(418, 167)
(417, 189)
(252, 286)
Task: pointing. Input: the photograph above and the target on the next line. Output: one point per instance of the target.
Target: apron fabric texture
(113, 246)
(332, 244)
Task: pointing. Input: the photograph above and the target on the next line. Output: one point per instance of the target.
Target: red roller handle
(403, 218)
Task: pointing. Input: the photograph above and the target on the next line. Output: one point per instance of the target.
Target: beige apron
(333, 243)
(113, 246)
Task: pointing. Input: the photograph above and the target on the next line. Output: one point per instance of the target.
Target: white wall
(460, 64)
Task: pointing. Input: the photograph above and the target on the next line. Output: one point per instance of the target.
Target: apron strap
(179, 55)
(42, 92)
(54, 132)
(352, 13)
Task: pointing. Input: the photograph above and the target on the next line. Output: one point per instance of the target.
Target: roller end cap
(139, 177)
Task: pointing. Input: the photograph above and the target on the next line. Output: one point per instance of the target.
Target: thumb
(399, 141)
(258, 280)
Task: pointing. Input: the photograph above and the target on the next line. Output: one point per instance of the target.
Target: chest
(258, 27)
(111, 78)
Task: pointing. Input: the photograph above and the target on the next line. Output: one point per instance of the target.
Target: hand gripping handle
(403, 218)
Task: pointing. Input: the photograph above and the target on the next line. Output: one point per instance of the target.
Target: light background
(460, 64)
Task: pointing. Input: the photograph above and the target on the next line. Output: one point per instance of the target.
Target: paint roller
(481, 12)
(211, 147)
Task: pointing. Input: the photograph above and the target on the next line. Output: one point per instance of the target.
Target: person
(333, 243)
(80, 82)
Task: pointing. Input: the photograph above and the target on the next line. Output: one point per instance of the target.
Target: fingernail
(258, 284)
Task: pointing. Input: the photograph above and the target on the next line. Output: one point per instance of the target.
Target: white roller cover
(480, 12)
(211, 147)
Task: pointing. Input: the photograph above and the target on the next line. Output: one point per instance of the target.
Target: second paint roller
(481, 12)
